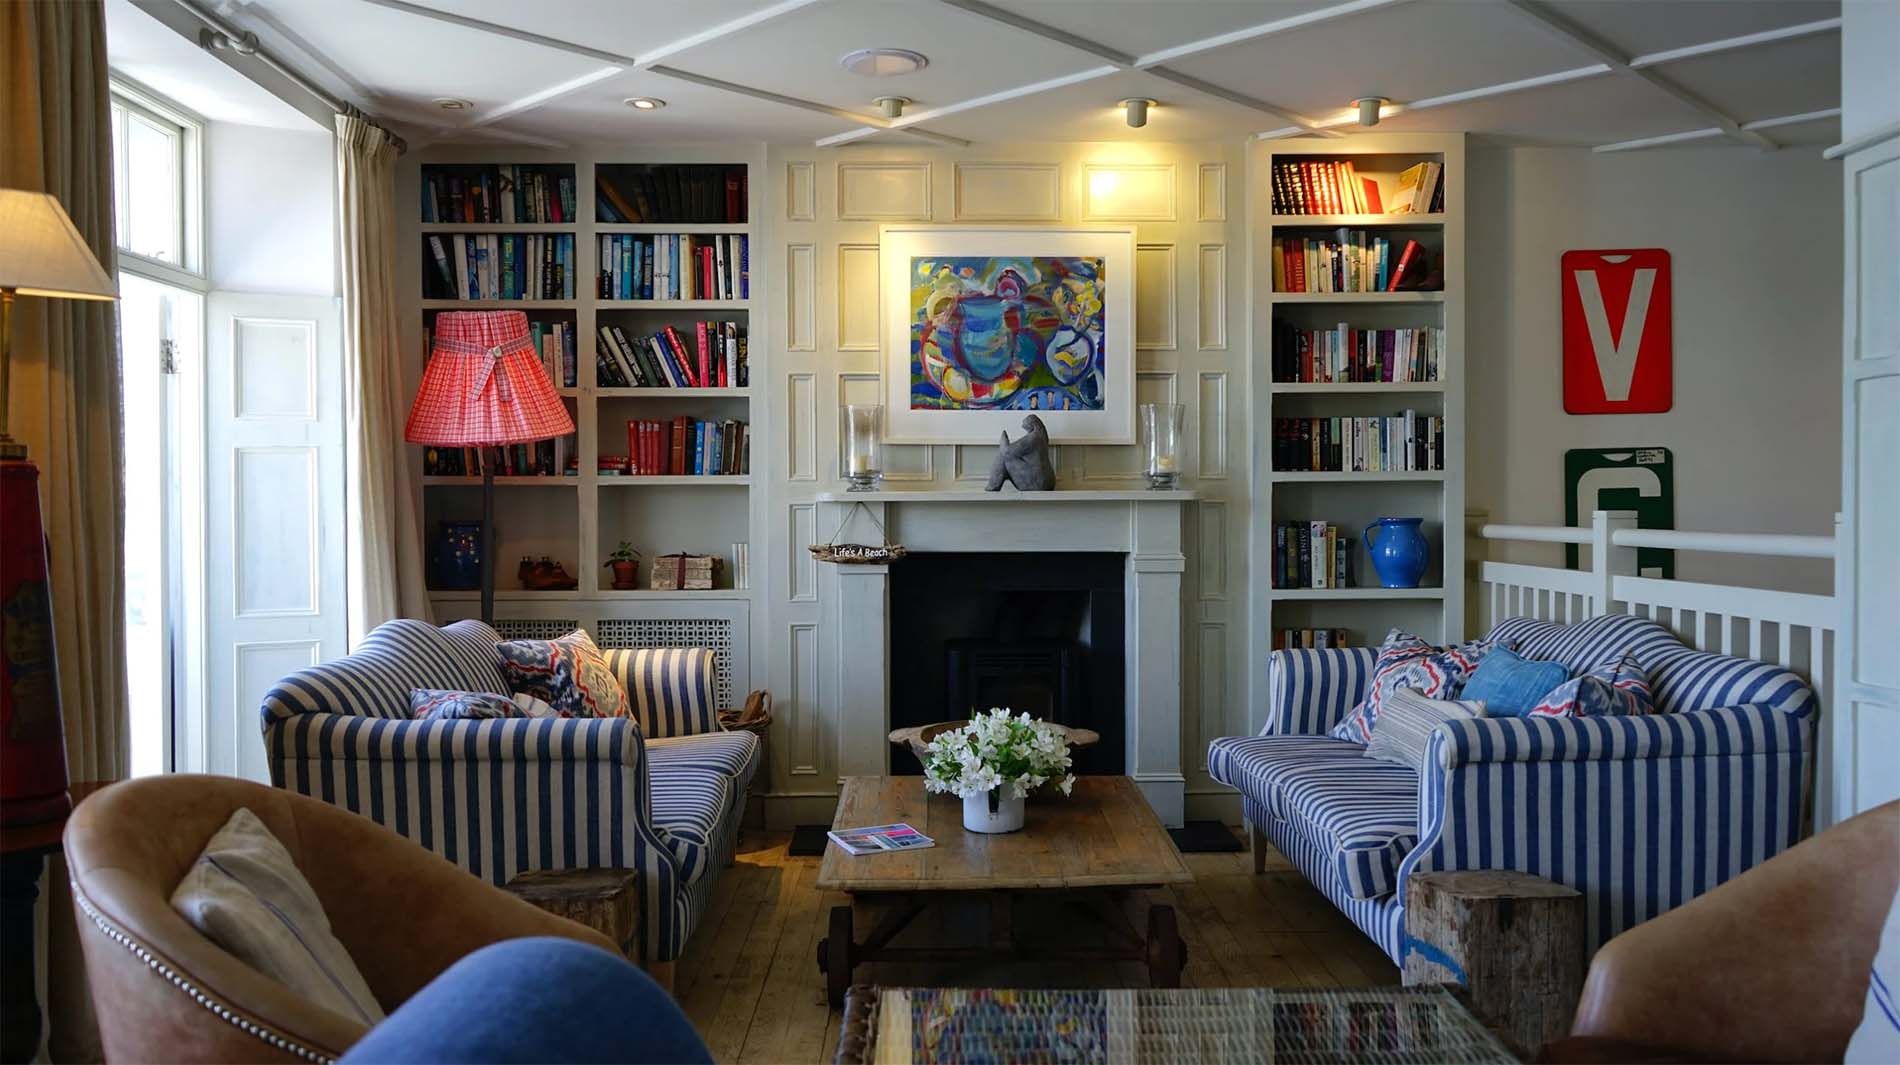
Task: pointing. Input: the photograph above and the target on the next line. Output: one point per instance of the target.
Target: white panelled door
(274, 521)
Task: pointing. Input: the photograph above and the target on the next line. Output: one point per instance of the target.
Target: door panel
(274, 525)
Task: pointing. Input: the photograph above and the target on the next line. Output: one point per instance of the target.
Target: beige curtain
(56, 136)
(385, 532)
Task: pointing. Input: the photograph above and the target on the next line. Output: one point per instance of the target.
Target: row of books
(506, 194)
(1403, 442)
(1307, 639)
(1311, 554)
(675, 266)
(1346, 354)
(543, 458)
(501, 266)
(716, 358)
(1321, 186)
(682, 447)
(1349, 261)
(672, 193)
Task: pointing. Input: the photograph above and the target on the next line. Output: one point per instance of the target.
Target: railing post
(1607, 561)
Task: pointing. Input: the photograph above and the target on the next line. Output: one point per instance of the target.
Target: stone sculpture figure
(1024, 462)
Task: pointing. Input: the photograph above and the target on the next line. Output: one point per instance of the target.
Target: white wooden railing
(1793, 629)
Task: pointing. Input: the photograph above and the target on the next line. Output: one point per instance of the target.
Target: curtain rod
(221, 35)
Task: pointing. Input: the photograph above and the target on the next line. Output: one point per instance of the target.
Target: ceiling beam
(1581, 38)
(1264, 29)
(1729, 44)
(961, 106)
(1712, 131)
(879, 125)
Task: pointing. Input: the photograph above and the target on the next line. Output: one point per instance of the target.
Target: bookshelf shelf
(580, 525)
(1288, 595)
(1349, 500)
(1358, 221)
(1358, 297)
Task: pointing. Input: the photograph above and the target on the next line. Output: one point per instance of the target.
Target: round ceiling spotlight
(884, 62)
(452, 103)
(892, 106)
(644, 103)
(1135, 109)
(1369, 107)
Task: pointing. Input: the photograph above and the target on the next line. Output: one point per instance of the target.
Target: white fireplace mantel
(1143, 526)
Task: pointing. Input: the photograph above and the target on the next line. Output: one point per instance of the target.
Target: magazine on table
(879, 838)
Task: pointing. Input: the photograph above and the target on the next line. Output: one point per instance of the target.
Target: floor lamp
(485, 388)
(41, 254)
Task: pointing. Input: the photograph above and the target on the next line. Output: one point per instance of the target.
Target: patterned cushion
(1621, 687)
(687, 806)
(1509, 685)
(733, 754)
(1407, 722)
(1405, 661)
(568, 673)
(671, 688)
(397, 656)
(436, 704)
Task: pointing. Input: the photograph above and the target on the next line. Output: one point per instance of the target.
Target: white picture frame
(1112, 423)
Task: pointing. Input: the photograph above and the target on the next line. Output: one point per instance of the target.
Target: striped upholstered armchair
(1640, 814)
(661, 791)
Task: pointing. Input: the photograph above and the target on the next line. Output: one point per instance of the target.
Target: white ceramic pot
(979, 817)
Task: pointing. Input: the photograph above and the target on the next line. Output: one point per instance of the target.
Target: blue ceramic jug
(1400, 553)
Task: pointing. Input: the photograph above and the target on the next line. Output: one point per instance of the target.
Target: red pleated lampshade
(485, 386)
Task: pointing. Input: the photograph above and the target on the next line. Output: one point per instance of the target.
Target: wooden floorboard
(749, 979)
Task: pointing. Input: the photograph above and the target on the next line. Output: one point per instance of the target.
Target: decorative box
(691, 572)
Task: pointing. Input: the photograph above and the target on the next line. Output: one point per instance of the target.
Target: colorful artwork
(998, 333)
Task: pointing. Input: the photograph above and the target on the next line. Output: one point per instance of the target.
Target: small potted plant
(626, 566)
(993, 763)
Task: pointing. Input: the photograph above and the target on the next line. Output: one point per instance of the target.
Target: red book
(633, 447)
(1373, 205)
(1311, 180)
(1412, 251)
(1296, 273)
(688, 365)
(735, 198)
(676, 455)
(705, 360)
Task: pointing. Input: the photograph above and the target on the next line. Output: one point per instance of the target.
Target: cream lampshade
(41, 254)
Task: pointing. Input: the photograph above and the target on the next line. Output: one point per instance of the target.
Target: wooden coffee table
(1089, 849)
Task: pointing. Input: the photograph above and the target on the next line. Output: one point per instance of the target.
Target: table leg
(19, 990)
(1167, 954)
(835, 956)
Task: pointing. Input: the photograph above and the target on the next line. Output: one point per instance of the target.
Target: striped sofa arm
(1310, 691)
(496, 796)
(1640, 814)
(670, 689)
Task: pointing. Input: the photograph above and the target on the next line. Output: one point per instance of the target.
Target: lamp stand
(489, 457)
(9, 448)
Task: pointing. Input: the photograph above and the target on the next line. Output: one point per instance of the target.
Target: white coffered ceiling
(1603, 73)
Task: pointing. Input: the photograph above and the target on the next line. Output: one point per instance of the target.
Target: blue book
(629, 273)
(745, 269)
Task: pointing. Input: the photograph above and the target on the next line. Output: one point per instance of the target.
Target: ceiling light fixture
(1369, 107)
(1136, 110)
(884, 62)
(892, 106)
(451, 103)
(644, 103)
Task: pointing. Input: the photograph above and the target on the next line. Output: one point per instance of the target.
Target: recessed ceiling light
(884, 62)
(1369, 108)
(892, 106)
(644, 103)
(450, 103)
(1136, 110)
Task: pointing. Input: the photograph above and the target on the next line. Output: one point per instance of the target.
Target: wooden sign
(1616, 324)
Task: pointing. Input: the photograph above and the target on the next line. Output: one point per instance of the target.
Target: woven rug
(914, 1026)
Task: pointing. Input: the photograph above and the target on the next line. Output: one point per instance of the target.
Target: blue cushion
(1510, 685)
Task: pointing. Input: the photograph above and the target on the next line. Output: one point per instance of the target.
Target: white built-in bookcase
(578, 521)
(1351, 500)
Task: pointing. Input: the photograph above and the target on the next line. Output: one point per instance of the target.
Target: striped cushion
(733, 754)
(397, 656)
(688, 804)
(1311, 690)
(671, 688)
(1408, 722)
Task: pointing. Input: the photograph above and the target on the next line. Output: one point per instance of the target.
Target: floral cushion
(568, 673)
(1406, 661)
(1619, 687)
(438, 704)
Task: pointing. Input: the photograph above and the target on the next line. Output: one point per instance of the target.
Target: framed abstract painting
(984, 325)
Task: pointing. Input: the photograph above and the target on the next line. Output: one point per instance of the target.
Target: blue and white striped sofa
(662, 791)
(1638, 813)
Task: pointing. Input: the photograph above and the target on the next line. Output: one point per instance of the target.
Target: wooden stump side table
(1514, 942)
(605, 900)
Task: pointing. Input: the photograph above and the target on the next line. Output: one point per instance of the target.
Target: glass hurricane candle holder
(1161, 443)
(863, 431)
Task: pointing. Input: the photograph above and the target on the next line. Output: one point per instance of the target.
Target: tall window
(155, 153)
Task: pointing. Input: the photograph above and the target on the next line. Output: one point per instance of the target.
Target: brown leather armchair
(1771, 966)
(163, 992)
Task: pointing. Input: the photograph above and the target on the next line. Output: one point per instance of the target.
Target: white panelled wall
(820, 262)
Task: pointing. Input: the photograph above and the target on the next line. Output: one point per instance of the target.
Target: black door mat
(1204, 837)
(808, 841)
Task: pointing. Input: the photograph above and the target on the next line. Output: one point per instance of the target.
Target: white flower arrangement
(997, 750)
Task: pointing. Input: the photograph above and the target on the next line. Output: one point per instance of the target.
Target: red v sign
(1616, 322)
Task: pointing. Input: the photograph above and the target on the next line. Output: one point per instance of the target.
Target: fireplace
(1041, 633)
